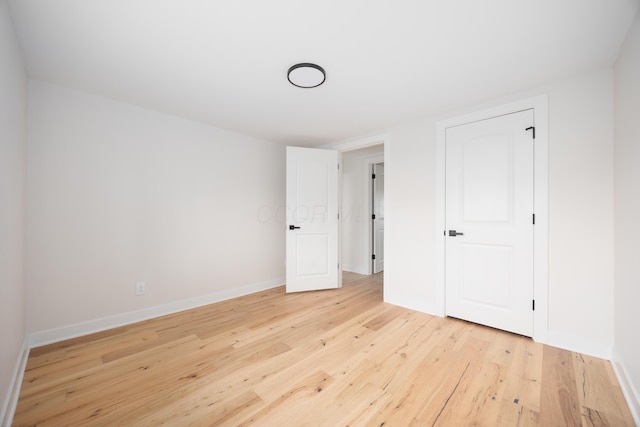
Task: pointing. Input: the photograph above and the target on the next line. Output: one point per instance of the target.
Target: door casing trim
(540, 106)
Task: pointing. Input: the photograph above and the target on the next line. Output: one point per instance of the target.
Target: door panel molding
(541, 206)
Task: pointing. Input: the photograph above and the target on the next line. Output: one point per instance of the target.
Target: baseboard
(629, 390)
(411, 304)
(355, 269)
(11, 400)
(580, 345)
(347, 267)
(72, 331)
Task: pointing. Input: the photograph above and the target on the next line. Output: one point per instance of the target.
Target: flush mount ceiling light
(306, 75)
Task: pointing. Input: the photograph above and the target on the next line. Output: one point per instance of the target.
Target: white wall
(627, 216)
(13, 116)
(580, 212)
(356, 201)
(119, 194)
(409, 277)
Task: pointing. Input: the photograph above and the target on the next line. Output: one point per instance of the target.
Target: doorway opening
(362, 212)
(305, 253)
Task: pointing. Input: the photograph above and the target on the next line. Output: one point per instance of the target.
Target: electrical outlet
(141, 288)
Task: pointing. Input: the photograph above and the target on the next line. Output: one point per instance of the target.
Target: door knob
(293, 227)
(454, 233)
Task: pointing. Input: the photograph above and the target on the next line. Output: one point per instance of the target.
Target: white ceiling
(224, 62)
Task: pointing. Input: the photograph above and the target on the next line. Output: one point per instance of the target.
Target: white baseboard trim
(11, 400)
(580, 345)
(37, 339)
(629, 389)
(411, 304)
(355, 269)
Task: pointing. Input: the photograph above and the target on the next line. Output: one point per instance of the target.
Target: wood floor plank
(327, 358)
(83, 394)
(598, 405)
(278, 411)
(559, 402)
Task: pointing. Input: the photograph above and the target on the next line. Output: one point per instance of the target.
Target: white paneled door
(489, 222)
(378, 217)
(312, 219)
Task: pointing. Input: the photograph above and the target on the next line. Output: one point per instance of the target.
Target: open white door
(489, 220)
(312, 219)
(378, 217)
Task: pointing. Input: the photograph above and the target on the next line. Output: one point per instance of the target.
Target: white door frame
(540, 105)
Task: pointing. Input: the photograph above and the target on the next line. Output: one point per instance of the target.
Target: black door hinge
(534, 219)
(373, 256)
(534, 130)
(373, 176)
(533, 305)
(373, 216)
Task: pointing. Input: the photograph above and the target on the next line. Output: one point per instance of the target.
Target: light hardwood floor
(328, 358)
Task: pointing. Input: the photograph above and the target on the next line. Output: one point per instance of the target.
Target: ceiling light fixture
(306, 75)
